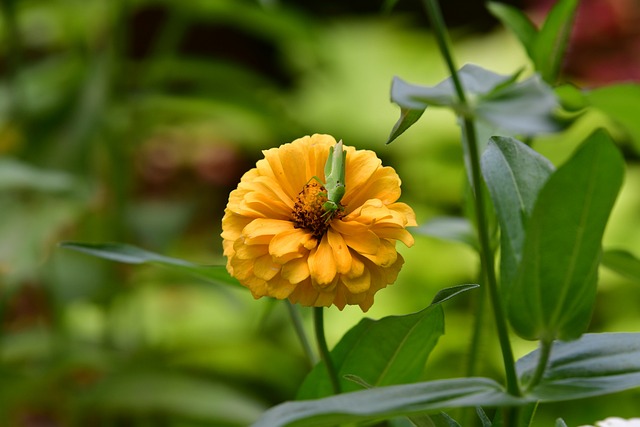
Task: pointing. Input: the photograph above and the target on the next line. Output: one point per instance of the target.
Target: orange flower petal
(322, 264)
(262, 230)
(295, 271)
(288, 245)
(340, 250)
(265, 268)
(357, 285)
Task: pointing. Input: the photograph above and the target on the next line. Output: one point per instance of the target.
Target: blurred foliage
(131, 120)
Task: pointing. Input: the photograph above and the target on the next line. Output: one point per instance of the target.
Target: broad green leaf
(621, 103)
(130, 254)
(391, 350)
(594, 365)
(623, 263)
(514, 174)
(554, 291)
(450, 228)
(448, 293)
(390, 401)
(526, 107)
(514, 19)
(407, 118)
(552, 39)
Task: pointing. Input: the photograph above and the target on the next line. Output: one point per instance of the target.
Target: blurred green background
(132, 120)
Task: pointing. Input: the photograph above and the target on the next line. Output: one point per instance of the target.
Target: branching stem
(486, 253)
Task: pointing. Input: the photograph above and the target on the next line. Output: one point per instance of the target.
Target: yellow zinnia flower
(278, 241)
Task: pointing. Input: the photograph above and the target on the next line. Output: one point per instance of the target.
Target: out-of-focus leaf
(514, 174)
(391, 350)
(621, 103)
(442, 419)
(450, 228)
(523, 107)
(172, 393)
(389, 401)
(571, 97)
(407, 118)
(594, 365)
(551, 41)
(16, 175)
(554, 291)
(130, 254)
(514, 19)
(622, 262)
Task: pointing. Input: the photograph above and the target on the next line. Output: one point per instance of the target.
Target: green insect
(334, 175)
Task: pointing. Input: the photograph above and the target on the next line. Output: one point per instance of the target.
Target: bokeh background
(132, 120)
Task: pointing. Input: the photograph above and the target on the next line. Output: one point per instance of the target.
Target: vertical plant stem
(318, 318)
(302, 336)
(486, 253)
(543, 360)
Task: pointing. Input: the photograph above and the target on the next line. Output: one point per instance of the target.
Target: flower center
(308, 212)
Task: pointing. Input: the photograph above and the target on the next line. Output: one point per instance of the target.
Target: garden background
(132, 120)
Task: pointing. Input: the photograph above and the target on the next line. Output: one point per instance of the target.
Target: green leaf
(523, 107)
(407, 118)
(594, 365)
(174, 393)
(514, 174)
(130, 254)
(448, 293)
(450, 228)
(554, 291)
(551, 42)
(623, 263)
(514, 19)
(385, 402)
(391, 350)
(621, 103)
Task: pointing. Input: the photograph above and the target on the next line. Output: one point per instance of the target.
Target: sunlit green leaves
(545, 47)
(133, 255)
(554, 291)
(514, 174)
(386, 402)
(391, 350)
(525, 107)
(595, 364)
(623, 263)
(621, 103)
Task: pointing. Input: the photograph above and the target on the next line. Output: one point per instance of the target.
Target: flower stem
(486, 253)
(318, 314)
(543, 360)
(302, 336)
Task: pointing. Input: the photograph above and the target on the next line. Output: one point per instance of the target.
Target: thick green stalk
(324, 350)
(486, 253)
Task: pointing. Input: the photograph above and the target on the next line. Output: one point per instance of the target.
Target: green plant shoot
(334, 171)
